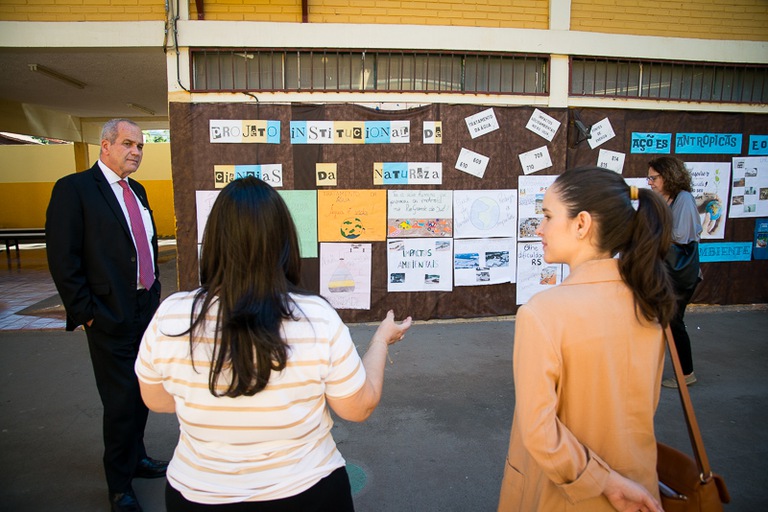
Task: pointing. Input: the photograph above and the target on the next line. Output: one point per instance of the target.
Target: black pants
(125, 415)
(677, 325)
(331, 494)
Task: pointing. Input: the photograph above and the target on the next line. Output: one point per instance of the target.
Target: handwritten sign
(758, 145)
(535, 160)
(725, 251)
(542, 124)
(472, 163)
(601, 132)
(419, 264)
(611, 160)
(651, 143)
(482, 123)
(708, 143)
(419, 213)
(351, 215)
(484, 213)
(533, 273)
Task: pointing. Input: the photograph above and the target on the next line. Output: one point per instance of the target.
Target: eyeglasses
(652, 178)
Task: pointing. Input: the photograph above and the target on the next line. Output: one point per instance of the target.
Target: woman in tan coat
(589, 353)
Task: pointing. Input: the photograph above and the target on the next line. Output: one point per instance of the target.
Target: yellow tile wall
(82, 10)
(29, 172)
(469, 13)
(699, 19)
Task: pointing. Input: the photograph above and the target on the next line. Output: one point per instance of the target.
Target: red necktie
(146, 266)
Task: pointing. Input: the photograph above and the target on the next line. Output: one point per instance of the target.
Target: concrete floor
(437, 442)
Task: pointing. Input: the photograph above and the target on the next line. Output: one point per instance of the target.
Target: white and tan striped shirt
(272, 445)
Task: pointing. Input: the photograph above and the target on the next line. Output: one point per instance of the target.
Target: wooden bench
(13, 236)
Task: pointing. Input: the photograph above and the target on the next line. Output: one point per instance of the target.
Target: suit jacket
(91, 254)
(587, 383)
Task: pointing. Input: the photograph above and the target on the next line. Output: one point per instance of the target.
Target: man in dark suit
(102, 254)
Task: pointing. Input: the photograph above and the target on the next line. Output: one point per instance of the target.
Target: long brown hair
(250, 263)
(640, 237)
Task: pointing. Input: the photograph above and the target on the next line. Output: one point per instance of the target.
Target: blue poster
(760, 249)
(651, 143)
(708, 143)
(758, 145)
(725, 251)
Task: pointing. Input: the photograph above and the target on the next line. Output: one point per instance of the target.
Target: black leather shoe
(150, 468)
(124, 502)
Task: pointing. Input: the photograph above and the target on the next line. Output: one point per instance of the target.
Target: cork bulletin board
(194, 158)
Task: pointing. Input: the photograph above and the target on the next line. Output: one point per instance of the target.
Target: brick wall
(699, 19)
(468, 13)
(82, 10)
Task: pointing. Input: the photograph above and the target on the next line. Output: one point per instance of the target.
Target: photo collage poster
(531, 190)
(749, 188)
(419, 264)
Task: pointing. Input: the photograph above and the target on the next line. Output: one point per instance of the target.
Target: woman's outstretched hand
(391, 332)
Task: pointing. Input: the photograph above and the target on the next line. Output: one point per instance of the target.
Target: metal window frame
(207, 63)
(727, 85)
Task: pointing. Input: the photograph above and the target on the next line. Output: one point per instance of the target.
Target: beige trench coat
(587, 380)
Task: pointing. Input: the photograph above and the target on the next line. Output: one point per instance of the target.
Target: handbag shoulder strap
(690, 418)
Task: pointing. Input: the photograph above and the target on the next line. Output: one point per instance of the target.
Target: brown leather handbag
(688, 484)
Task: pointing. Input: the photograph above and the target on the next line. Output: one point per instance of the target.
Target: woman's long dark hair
(640, 237)
(250, 262)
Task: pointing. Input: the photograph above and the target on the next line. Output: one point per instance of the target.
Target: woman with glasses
(668, 177)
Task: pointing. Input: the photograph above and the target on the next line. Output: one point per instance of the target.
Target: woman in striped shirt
(248, 362)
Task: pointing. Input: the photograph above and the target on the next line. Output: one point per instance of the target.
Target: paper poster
(760, 249)
(611, 160)
(542, 124)
(350, 132)
(749, 187)
(419, 213)
(708, 143)
(533, 273)
(303, 207)
(204, 200)
(407, 173)
(433, 132)
(535, 160)
(472, 163)
(325, 174)
(351, 215)
(651, 143)
(601, 132)
(269, 173)
(758, 145)
(235, 131)
(484, 213)
(482, 123)
(483, 261)
(345, 275)
(710, 183)
(725, 251)
(530, 195)
(420, 264)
